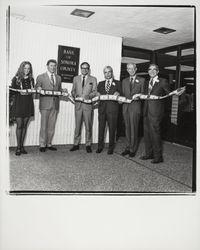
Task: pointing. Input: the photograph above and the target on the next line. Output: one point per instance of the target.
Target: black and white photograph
(100, 108)
(122, 118)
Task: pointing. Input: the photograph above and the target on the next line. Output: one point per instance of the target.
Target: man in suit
(131, 111)
(108, 110)
(49, 105)
(153, 113)
(84, 86)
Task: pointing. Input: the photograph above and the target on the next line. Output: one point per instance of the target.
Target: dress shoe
(110, 152)
(42, 149)
(125, 152)
(18, 152)
(155, 161)
(74, 148)
(52, 148)
(23, 151)
(88, 149)
(146, 157)
(131, 154)
(99, 150)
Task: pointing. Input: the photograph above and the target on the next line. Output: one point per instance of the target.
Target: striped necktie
(150, 86)
(107, 87)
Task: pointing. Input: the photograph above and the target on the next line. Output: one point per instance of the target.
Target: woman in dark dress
(23, 107)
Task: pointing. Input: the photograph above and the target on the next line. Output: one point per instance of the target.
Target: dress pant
(152, 137)
(131, 120)
(111, 119)
(86, 116)
(47, 126)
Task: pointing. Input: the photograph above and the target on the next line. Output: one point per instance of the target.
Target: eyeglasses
(84, 68)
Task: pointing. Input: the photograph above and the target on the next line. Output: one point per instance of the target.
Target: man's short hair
(131, 64)
(153, 64)
(85, 63)
(108, 67)
(51, 61)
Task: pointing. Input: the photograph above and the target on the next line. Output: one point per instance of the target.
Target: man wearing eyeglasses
(84, 86)
(153, 113)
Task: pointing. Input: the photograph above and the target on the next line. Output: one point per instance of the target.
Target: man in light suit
(108, 110)
(49, 105)
(153, 113)
(131, 111)
(84, 86)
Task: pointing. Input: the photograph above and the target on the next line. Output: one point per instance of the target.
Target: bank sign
(68, 62)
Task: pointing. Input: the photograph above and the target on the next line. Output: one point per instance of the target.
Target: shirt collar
(84, 76)
(49, 74)
(133, 77)
(110, 80)
(155, 79)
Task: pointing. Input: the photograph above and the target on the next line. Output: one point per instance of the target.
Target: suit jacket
(155, 108)
(87, 92)
(109, 106)
(128, 92)
(43, 81)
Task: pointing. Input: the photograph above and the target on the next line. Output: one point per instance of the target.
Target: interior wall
(39, 42)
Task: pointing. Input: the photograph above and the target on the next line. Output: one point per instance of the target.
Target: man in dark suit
(49, 105)
(153, 113)
(84, 86)
(131, 111)
(108, 110)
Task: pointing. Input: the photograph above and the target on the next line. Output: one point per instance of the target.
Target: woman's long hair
(20, 71)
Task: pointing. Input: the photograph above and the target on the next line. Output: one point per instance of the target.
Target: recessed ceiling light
(82, 13)
(164, 30)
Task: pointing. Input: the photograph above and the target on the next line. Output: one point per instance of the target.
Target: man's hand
(136, 96)
(116, 93)
(65, 90)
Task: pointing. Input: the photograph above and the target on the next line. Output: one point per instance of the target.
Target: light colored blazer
(87, 92)
(43, 81)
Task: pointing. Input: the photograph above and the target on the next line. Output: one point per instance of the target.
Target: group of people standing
(86, 87)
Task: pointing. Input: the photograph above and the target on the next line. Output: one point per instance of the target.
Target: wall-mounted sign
(68, 62)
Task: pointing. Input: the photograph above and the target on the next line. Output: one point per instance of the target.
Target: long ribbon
(121, 99)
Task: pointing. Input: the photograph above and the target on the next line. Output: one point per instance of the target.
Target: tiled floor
(65, 171)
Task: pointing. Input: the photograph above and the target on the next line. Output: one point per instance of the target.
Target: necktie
(52, 79)
(131, 83)
(150, 85)
(107, 86)
(83, 82)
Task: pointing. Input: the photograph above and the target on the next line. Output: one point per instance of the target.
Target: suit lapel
(147, 87)
(56, 80)
(48, 80)
(127, 85)
(87, 80)
(155, 85)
